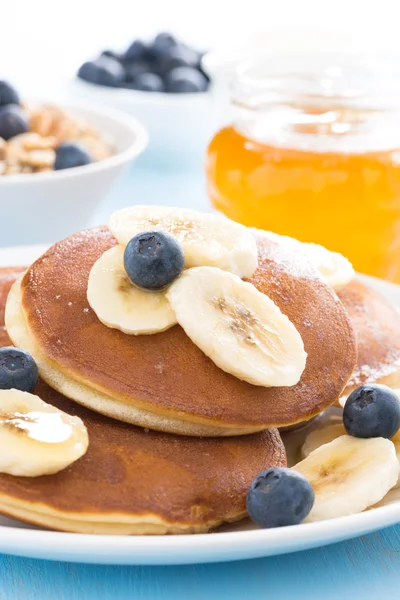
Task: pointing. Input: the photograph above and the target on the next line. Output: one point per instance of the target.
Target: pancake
(136, 481)
(377, 326)
(164, 381)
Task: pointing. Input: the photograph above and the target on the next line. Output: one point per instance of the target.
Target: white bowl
(44, 207)
(179, 125)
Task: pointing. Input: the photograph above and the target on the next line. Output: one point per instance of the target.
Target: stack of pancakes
(146, 400)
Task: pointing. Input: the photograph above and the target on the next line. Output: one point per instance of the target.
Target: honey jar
(313, 152)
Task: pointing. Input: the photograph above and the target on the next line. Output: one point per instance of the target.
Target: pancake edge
(107, 524)
(18, 331)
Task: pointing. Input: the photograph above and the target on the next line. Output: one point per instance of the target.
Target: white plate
(233, 543)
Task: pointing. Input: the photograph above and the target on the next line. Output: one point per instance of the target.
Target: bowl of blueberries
(162, 83)
(57, 163)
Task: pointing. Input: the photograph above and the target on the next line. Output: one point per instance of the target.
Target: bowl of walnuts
(57, 163)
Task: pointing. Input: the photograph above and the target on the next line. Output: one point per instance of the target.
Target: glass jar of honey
(313, 152)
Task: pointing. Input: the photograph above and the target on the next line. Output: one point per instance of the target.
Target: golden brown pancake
(377, 326)
(164, 381)
(133, 481)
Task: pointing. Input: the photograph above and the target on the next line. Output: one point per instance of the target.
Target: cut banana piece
(396, 441)
(349, 475)
(333, 268)
(119, 304)
(37, 438)
(239, 328)
(322, 436)
(207, 239)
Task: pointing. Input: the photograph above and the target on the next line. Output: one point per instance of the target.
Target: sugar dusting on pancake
(331, 267)
(377, 326)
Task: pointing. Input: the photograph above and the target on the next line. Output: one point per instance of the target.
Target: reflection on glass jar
(314, 152)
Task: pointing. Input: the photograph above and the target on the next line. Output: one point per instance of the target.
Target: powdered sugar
(287, 252)
(309, 260)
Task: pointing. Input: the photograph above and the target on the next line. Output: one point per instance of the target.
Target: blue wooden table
(367, 568)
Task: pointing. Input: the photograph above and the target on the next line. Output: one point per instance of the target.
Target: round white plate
(232, 543)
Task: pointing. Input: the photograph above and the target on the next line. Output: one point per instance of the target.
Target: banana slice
(121, 305)
(322, 436)
(37, 438)
(207, 239)
(333, 268)
(396, 441)
(349, 474)
(239, 328)
(327, 434)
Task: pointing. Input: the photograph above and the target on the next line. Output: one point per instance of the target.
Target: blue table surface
(368, 567)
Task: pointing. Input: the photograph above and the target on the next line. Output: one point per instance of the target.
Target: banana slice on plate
(239, 328)
(322, 436)
(349, 475)
(119, 304)
(396, 441)
(37, 438)
(207, 239)
(333, 268)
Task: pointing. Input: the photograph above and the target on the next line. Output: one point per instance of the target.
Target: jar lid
(319, 78)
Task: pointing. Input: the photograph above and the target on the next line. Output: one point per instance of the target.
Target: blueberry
(148, 82)
(372, 411)
(185, 80)
(8, 95)
(164, 40)
(161, 46)
(13, 121)
(176, 56)
(71, 155)
(137, 50)
(103, 71)
(279, 497)
(153, 260)
(182, 56)
(112, 54)
(132, 70)
(18, 370)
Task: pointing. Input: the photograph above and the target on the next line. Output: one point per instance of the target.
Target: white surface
(45, 45)
(235, 542)
(41, 207)
(44, 41)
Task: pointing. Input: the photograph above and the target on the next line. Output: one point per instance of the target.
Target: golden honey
(320, 171)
